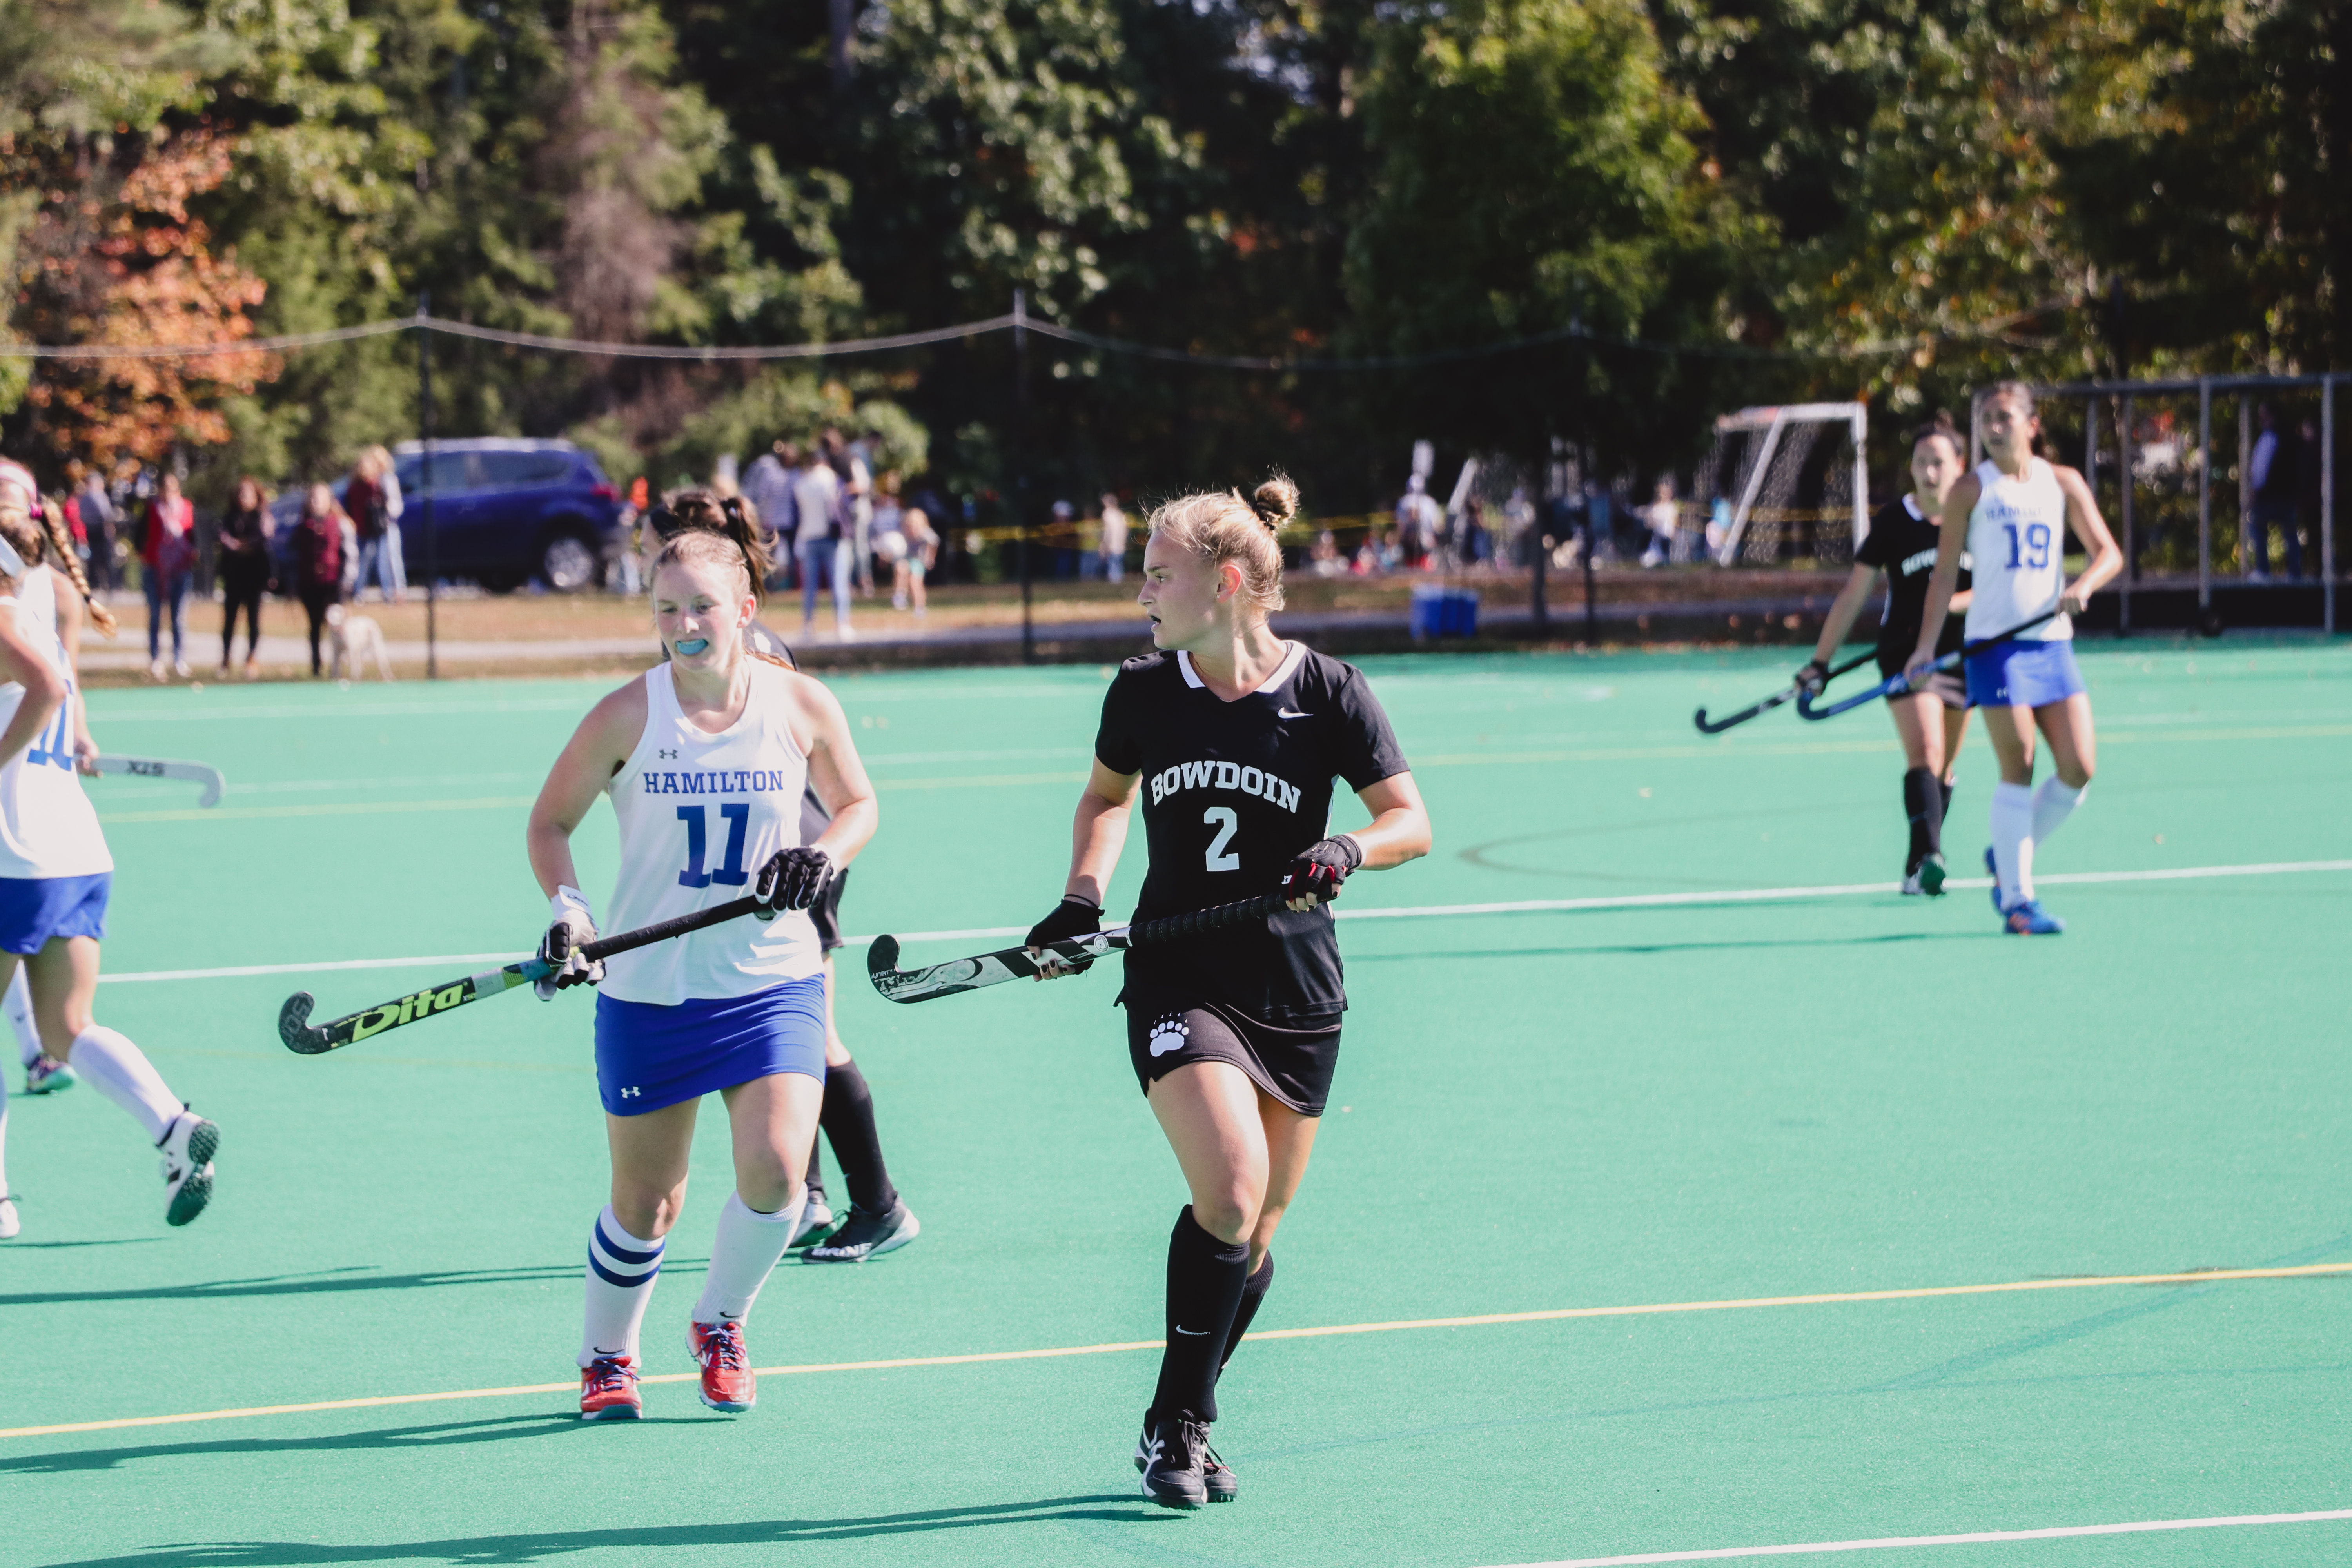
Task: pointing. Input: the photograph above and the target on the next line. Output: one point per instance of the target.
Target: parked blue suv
(504, 512)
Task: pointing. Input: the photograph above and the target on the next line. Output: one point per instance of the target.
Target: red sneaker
(727, 1381)
(608, 1390)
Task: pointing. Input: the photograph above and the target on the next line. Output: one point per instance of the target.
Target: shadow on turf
(1641, 947)
(325, 1281)
(1113, 1508)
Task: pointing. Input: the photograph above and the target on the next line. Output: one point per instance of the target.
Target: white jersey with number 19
(699, 815)
(2016, 545)
(48, 828)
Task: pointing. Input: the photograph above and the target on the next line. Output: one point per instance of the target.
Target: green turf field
(1705, 1101)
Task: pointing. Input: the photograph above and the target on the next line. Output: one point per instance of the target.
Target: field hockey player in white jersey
(54, 877)
(54, 599)
(2011, 515)
(704, 759)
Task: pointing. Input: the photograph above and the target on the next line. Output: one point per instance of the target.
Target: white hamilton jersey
(699, 813)
(48, 826)
(37, 605)
(2017, 549)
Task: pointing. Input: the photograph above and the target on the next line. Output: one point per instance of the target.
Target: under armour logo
(669, 752)
(629, 1094)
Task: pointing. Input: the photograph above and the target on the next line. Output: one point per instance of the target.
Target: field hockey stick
(1717, 726)
(1015, 963)
(1895, 685)
(204, 773)
(302, 1037)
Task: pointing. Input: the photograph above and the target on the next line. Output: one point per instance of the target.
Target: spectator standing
(1718, 523)
(823, 552)
(394, 505)
(244, 542)
(923, 555)
(768, 485)
(94, 510)
(1419, 519)
(169, 554)
(1660, 517)
(1111, 545)
(318, 549)
(854, 501)
(2270, 472)
(1062, 528)
(889, 536)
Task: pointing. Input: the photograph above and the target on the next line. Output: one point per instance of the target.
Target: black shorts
(1947, 686)
(1294, 1066)
(826, 913)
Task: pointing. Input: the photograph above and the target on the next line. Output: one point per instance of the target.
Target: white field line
(1423, 911)
(1973, 1538)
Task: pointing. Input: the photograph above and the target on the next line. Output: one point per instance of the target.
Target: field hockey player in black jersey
(1230, 738)
(1931, 718)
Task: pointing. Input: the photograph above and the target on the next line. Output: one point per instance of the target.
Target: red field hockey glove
(1317, 874)
(793, 878)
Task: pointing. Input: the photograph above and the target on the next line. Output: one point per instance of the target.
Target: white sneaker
(155, 670)
(180, 667)
(844, 632)
(188, 1146)
(9, 1225)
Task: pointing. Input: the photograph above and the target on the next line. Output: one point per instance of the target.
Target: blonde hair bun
(1275, 501)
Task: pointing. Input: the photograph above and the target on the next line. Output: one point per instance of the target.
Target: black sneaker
(865, 1235)
(1174, 1456)
(1216, 1479)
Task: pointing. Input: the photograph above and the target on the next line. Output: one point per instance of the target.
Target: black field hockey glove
(1073, 917)
(1317, 873)
(1812, 678)
(793, 878)
(573, 929)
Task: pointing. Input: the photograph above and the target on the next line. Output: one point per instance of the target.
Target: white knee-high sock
(621, 1271)
(742, 1255)
(2012, 840)
(2054, 803)
(120, 1071)
(19, 1007)
(4, 1137)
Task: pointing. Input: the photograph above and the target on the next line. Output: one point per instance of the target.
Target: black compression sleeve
(849, 1123)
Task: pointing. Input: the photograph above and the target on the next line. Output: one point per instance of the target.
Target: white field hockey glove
(573, 929)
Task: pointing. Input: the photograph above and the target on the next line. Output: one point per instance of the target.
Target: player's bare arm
(2084, 520)
(597, 751)
(835, 771)
(1952, 541)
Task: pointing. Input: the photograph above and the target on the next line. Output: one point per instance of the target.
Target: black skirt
(1165, 1030)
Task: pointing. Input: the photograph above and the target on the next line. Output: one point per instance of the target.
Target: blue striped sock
(620, 1281)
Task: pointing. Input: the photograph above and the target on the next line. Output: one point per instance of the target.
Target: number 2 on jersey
(2037, 546)
(698, 846)
(1227, 824)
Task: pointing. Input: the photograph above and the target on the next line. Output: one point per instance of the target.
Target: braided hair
(69, 561)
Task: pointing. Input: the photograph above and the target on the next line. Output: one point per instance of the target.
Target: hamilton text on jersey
(1212, 774)
(726, 781)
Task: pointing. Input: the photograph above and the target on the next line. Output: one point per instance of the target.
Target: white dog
(354, 639)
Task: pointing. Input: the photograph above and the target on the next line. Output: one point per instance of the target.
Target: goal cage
(1786, 484)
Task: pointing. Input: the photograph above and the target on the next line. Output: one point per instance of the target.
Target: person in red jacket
(168, 552)
(318, 562)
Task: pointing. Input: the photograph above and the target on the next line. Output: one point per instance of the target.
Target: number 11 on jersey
(698, 846)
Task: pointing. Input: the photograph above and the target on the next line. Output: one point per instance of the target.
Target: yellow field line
(1486, 1319)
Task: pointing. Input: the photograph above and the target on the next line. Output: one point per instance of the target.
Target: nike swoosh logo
(1194, 1334)
(1291, 713)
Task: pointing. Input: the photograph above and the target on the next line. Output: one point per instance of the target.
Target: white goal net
(1785, 486)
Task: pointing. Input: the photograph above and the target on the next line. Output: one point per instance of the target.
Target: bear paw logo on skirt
(1169, 1034)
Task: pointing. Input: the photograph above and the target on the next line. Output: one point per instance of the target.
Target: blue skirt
(2022, 674)
(649, 1056)
(35, 908)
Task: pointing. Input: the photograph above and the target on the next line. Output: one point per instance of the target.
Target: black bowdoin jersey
(1231, 792)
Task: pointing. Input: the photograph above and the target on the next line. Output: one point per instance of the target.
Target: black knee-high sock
(816, 1174)
(1205, 1278)
(1254, 1289)
(1923, 803)
(849, 1123)
(1946, 785)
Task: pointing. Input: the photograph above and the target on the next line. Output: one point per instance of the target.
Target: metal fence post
(2123, 428)
(2247, 565)
(2204, 494)
(2327, 502)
